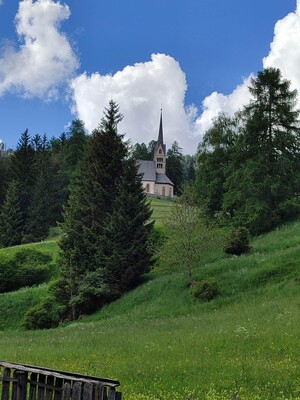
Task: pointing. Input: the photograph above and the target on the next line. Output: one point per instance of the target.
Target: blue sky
(65, 60)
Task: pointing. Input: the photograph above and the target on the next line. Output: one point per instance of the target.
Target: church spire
(160, 139)
(160, 150)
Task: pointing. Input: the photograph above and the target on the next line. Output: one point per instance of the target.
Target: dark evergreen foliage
(11, 217)
(95, 208)
(42, 201)
(140, 151)
(262, 190)
(214, 157)
(174, 166)
(238, 241)
(22, 162)
(248, 167)
(5, 177)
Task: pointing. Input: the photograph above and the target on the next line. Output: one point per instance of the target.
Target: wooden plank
(87, 391)
(112, 394)
(76, 391)
(118, 396)
(5, 384)
(33, 386)
(66, 391)
(58, 389)
(14, 393)
(22, 385)
(49, 388)
(98, 392)
(41, 387)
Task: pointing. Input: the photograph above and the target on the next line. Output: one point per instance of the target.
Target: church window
(159, 165)
(160, 151)
(147, 188)
(160, 159)
(163, 191)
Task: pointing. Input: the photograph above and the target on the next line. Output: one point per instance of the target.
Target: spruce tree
(263, 183)
(22, 162)
(214, 157)
(11, 219)
(89, 221)
(174, 166)
(42, 201)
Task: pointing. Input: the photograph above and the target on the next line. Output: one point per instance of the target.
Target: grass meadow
(162, 344)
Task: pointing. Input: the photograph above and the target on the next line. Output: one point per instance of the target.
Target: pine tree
(263, 184)
(127, 255)
(174, 166)
(22, 163)
(214, 156)
(11, 221)
(89, 218)
(4, 177)
(42, 201)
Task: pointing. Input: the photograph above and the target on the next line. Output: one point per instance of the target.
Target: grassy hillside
(162, 344)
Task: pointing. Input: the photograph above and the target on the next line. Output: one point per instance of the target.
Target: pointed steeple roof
(160, 139)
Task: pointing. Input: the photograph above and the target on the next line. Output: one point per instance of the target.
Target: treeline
(35, 180)
(248, 165)
(35, 183)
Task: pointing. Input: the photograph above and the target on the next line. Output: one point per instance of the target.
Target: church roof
(147, 169)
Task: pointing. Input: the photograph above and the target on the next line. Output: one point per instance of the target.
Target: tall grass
(163, 344)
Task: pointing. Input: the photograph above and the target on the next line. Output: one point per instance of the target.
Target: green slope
(162, 344)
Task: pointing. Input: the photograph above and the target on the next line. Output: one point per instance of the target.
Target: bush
(28, 238)
(45, 315)
(237, 242)
(27, 268)
(32, 257)
(206, 289)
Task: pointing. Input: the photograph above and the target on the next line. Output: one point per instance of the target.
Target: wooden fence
(27, 382)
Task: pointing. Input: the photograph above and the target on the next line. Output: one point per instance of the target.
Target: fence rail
(27, 382)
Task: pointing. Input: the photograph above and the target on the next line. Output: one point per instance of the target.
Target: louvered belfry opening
(27, 382)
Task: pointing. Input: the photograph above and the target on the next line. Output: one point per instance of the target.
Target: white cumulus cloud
(140, 90)
(44, 58)
(285, 48)
(284, 54)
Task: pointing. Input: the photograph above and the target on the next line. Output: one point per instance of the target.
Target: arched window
(163, 191)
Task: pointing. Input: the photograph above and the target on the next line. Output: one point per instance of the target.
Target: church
(154, 179)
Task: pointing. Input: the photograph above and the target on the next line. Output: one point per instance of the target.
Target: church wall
(149, 187)
(164, 190)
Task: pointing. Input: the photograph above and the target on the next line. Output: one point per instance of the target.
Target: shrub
(206, 289)
(32, 257)
(237, 242)
(7, 275)
(45, 315)
(27, 268)
(28, 238)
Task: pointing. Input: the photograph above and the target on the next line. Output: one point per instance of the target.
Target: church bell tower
(160, 150)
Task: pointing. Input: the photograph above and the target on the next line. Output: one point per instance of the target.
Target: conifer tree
(42, 202)
(174, 166)
(263, 183)
(88, 219)
(11, 221)
(22, 163)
